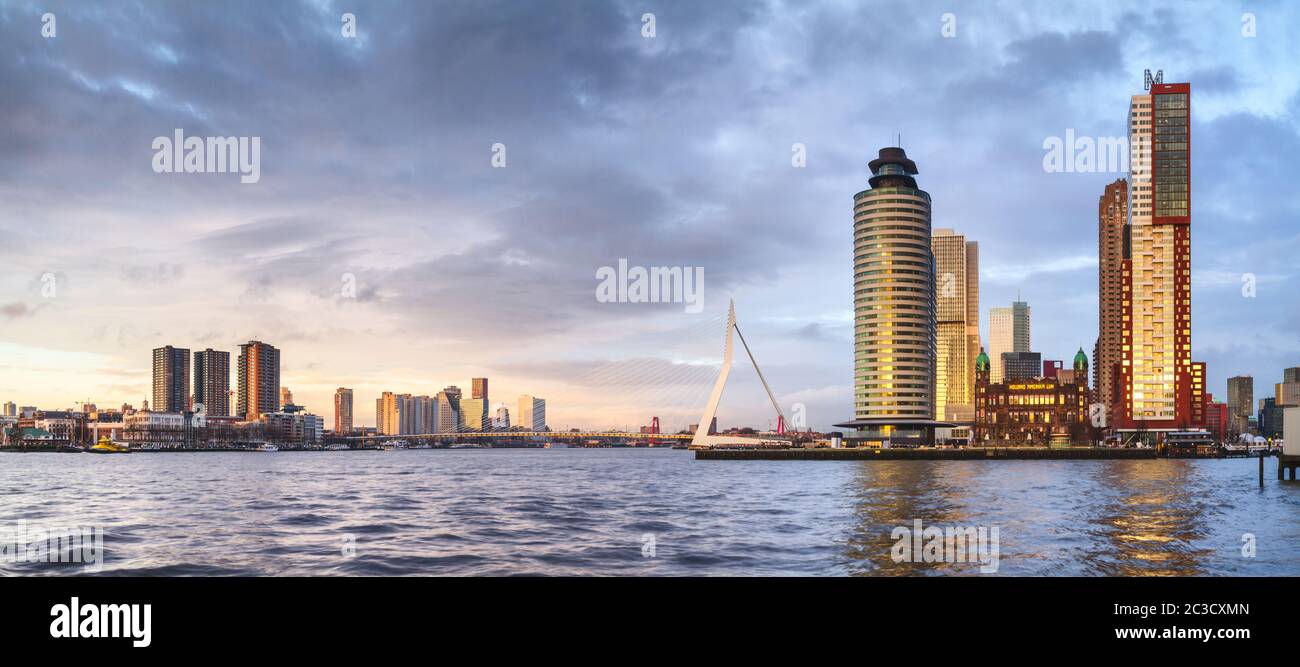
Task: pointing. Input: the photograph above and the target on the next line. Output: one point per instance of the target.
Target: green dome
(1080, 361)
(982, 362)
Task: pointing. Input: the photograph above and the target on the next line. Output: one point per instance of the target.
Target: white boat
(337, 448)
(267, 447)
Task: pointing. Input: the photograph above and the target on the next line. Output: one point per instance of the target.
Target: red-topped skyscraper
(1160, 388)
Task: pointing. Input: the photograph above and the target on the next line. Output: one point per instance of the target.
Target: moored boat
(107, 445)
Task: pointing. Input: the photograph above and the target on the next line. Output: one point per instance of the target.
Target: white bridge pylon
(702, 439)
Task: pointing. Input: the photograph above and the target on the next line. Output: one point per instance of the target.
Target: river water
(644, 512)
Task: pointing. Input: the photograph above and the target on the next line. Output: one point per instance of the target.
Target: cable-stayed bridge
(685, 384)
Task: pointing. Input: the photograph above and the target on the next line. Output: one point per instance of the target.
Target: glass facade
(894, 295)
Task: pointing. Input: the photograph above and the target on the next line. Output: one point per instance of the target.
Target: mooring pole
(1261, 468)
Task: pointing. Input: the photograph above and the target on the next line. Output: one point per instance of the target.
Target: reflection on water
(1130, 518)
(573, 512)
(1152, 519)
(896, 495)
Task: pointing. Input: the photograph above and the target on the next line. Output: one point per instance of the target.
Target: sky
(381, 249)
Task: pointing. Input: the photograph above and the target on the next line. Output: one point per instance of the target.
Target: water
(572, 512)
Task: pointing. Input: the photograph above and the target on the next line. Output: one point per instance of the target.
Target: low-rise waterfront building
(1037, 411)
(27, 436)
(146, 428)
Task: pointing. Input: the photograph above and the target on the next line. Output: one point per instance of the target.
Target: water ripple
(641, 512)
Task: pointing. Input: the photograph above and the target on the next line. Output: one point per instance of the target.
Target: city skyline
(199, 267)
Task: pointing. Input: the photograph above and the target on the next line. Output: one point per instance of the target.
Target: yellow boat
(106, 445)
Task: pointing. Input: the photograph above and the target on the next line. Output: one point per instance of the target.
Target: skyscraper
(444, 415)
(1157, 377)
(532, 413)
(1270, 418)
(388, 414)
(427, 408)
(402, 414)
(259, 380)
(894, 306)
(453, 396)
(1287, 392)
(171, 379)
(473, 413)
(1008, 332)
(212, 381)
(1021, 366)
(1241, 402)
(957, 304)
(409, 414)
(342, 411)
(479, 391)
(1112, 242)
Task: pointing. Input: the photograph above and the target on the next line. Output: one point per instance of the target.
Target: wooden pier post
(1261, 468)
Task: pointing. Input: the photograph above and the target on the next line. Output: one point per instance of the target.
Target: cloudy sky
(670, 150)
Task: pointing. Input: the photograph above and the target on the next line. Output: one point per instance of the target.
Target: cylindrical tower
(894, 299)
